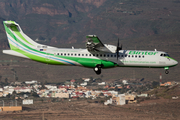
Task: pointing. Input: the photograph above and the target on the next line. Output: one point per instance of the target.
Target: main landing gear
(97, 69)
(166, 70)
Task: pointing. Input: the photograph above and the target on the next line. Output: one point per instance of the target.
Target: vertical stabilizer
(16, 38)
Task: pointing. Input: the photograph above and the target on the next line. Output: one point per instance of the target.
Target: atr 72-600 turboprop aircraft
(96, 56)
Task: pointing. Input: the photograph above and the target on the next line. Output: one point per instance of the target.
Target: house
(166, 84)
(8, 90)
(50, 87)
(102, 83)
(22, 89)
(108, 102)
(130, 98)
(143, 95)
(31, 82)
(107, 86)
(86, 79)
(120, 99)
(72, 81)
(83, 84)
(1, 94)
(116, 100)
(1, 89)
(17, 83)
(124, 82)
(62, 89)
(81, 88)
(61, 95)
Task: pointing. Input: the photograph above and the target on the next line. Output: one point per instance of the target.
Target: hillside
(70, 21)
(146, 24)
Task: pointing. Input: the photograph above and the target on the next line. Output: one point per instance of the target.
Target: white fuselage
(126, 58)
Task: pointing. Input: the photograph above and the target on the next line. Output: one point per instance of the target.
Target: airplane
(96, 55)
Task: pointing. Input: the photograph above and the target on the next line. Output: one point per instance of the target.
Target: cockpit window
(164, 55)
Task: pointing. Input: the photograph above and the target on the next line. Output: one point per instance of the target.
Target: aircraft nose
(175, 62)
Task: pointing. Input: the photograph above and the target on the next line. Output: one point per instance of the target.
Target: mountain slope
(146, 25)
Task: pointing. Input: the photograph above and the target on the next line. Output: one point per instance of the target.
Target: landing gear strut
(97, 69)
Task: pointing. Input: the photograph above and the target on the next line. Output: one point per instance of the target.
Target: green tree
(16, 78)
(155, 84)
(34, 94)
(6, 81)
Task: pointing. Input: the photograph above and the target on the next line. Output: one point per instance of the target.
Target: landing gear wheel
(97, 70)
(166, 71)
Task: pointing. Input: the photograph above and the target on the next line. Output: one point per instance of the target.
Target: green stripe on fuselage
(38, 58)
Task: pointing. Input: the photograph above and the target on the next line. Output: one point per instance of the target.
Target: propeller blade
(117, 50)
(120, 47)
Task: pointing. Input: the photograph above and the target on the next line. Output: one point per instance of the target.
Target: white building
(22, 89)
(121, 100)
(83, 84)
(102, 83)
(86, 79)
(31, 82)
(50, 87)
(124, 82)
(1, 89)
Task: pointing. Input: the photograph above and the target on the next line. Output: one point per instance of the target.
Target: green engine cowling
(91, 63)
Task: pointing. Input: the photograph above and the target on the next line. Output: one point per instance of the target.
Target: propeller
(117, 49)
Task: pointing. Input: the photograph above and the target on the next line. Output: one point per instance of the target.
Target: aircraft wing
(93, 44)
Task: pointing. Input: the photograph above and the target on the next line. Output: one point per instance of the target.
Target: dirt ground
(160, 109)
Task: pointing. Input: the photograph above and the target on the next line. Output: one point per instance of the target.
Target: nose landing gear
(166, 70)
